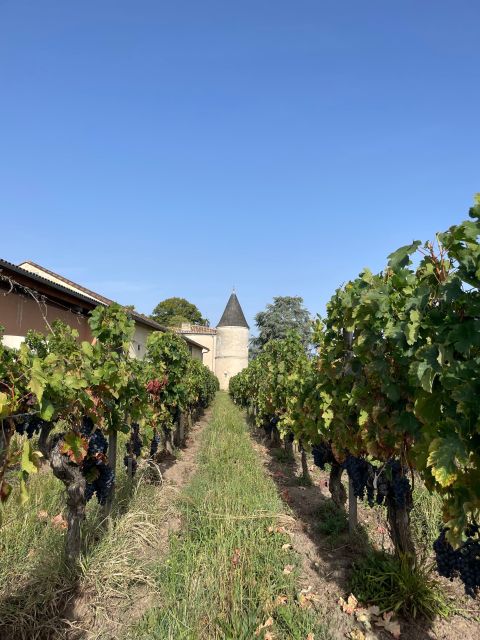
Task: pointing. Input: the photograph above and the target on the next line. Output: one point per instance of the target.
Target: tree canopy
(173, 311)
(284, 314)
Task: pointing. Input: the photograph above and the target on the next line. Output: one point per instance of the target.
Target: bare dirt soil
(326, 560)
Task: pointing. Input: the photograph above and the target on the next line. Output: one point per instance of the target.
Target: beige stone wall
(138, 346)
(208, 341)
(232, 353)
(19, 313)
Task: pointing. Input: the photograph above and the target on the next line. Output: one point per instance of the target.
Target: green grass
(332, 521)
(393, 585)
(37, 587)
(224, 571)
(282, 455)
(426, 516)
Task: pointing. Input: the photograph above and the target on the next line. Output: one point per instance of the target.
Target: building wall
(208, 340)
(138, 346)
(19, 313)
(231, 353)
(196, 352)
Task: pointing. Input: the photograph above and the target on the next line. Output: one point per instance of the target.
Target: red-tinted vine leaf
(74, 446)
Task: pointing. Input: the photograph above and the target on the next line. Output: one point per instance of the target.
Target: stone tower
(232, 342)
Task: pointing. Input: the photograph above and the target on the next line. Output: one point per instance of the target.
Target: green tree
(173, 311)
(284, 314)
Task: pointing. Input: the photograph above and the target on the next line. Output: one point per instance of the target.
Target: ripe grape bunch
(29, 425)
(393, 486)
(322, 454)
(400, 484)
(134, 463)
(361, 473)
(100, 477)
(269, 425)
(463, 562)
(154, 444)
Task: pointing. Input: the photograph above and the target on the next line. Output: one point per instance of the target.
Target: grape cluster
(126, 460)
(446, 556)
(269, 425)
(463, 562)
(136, 440)
(400, 484)
(322, 454)
(104, 479)
(100, 477)
(104, 483)
(87, 426)
(393, 486)
(29, 425)
(154, 444)
(361, 473)
(97, 443)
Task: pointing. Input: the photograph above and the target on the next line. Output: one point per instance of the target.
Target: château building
(227, 343)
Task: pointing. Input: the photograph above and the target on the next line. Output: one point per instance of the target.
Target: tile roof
(198, 329)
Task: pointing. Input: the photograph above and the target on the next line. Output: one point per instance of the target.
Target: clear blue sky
(153, 148)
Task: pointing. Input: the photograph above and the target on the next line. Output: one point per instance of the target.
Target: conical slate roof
(233, 314)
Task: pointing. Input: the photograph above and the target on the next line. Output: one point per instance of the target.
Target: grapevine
(394, 387)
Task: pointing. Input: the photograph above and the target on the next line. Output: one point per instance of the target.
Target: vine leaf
(29, 462)
(4, 405)
(47, 411)
(428, 407)
(401, 257)
(75, 447)
(466, 335)
(38, 381)
(443, 456)
(411, 332)
(23, 497)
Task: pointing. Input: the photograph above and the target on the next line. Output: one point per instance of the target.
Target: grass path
(230, 570)
(43, 599)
